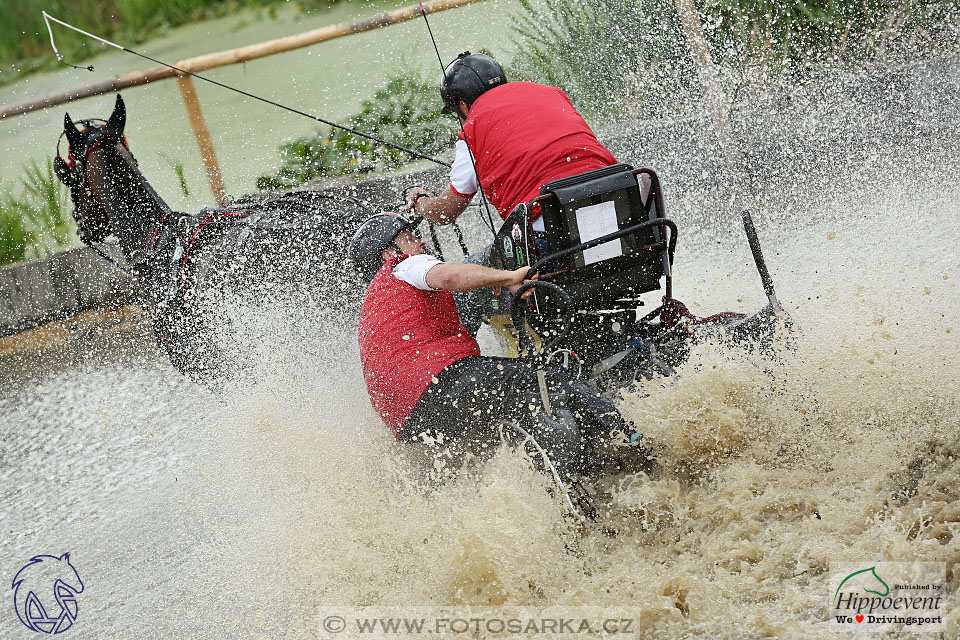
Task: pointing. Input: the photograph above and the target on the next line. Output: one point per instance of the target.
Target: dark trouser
(482, 390)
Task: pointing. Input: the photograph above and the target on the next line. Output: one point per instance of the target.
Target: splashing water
(241, 515)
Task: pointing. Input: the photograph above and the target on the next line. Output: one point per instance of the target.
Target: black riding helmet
(374, 235)
(467, 78)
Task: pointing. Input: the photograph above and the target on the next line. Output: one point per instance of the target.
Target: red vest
(407, 337)
(523, 135)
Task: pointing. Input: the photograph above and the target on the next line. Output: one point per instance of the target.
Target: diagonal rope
(47, 18)
(473, 161)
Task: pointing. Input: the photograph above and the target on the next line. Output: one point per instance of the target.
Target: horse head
(78, 172)
(110, 194)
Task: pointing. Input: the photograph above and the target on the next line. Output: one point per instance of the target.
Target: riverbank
(24, 47)
(61, 286)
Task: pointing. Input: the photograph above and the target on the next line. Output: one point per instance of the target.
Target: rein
(116, 265)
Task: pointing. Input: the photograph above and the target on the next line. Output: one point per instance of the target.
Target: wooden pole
(233, 56)
(189, 94)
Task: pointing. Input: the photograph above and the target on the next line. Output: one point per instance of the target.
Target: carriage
(608, 242)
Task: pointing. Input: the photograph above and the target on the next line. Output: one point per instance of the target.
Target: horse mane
(131, 203)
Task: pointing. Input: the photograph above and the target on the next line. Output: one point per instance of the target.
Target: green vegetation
(34, 224)
(803, 39)
(405, 111)
(177, 166)
(639, 61)
(25, 44)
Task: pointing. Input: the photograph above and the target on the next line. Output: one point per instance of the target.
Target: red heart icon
(859, 618)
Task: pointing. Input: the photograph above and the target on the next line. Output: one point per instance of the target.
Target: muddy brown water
(247, 513)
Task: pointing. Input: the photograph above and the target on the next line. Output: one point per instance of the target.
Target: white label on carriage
(593, 222)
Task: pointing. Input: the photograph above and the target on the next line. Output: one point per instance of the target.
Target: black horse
(194, 268)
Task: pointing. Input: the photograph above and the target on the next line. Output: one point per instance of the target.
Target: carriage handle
(666, 222)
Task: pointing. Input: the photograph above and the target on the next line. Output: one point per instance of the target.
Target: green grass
(798, 40)
(601, 52)
(34, 224)
(178, 170)
(25, 44)
(405, 111)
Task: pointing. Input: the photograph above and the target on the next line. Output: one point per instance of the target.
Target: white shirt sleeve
(414, 270)
(463, 178)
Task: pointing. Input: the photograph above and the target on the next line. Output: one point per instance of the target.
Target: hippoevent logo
(885, 596)
(45, 593)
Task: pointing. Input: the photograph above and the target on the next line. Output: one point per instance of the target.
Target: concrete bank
(61, 286)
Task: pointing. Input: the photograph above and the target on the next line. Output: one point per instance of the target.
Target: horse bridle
(72, 172)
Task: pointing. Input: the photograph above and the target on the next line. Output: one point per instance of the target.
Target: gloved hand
(414, 194)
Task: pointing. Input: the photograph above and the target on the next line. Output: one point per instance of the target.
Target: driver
(522, 135)
(423, 369)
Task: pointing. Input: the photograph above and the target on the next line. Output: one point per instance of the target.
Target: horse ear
(73, 134)
(118, 119)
